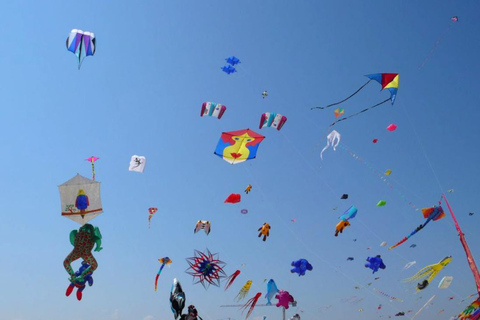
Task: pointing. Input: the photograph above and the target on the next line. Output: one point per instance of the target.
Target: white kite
(334, 135)
(408, 265)
(80, 198)
(137, 163)
(445, 282)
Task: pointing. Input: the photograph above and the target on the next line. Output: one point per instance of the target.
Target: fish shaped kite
(213, 109)
(272, 290)
(82, 44)
(271, 119)
(432, 213)
(388, 81)
(137, 163)
(202, 224)
(238, 146)
(164, 261)
(333, 139)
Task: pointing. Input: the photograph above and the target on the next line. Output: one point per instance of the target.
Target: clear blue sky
(156, 62)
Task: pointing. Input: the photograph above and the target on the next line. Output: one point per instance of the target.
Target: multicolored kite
(82, 44)
(338, 112)
(213, 109)
(271, 119)
(238, 146)
(164, 261)
(388, 81)
(151, 212)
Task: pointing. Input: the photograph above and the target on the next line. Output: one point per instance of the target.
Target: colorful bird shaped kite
(164, 261)
(432, 213)
(202, 224)
(388, 81)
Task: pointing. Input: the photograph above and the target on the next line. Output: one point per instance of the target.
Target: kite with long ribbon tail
(433, 213)
(387, 80)
(164, 261)
(453, 20)
(92, 159)
(424, 306)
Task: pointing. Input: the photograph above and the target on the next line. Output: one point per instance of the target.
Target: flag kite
(433, 213)
(388, 81)
(238, 146)
(82, 44)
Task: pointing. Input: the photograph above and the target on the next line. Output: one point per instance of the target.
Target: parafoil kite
(301, 266)
(432, 213)
(228, 69)
(82, 44)
(151, 212)
(244, 291)
(80, 284)
(164, 261)
(333, 139)
(251, 303)
(375, 263)
(248, 188)
(445, 282)
(388, 81)
(213, 109)
(231, 278)
(264, 230)
(137, 163)
(238, 146)
(272, 290)
(428, 273)
(206, 268)
(284, 299)
(271, 119)
(232, 60)
(347, 215)
(202, 224)
(233, 198)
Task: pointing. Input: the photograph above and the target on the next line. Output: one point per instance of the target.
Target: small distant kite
(213, 109)
(294, 220)
(137, 163)
(470, 213)
(392, 127)
(244, 211)
(388, 172)
(244, 291)
(383, 244)
(272, 119)
(388, 81)
(413, 245)
(151, 212)
(82, 43)
(92, 159)
(264, 230)
(347, 215)
(264, 94)
(233, 198)
(408, 265)
(206, 268)
(228, 69)
(453, 20)
(333, 139)
(164, 261)
(338, 112)
(238, 146)
(350, 259)
(202, 224)
(248, 188)
(375, 140)
(344, 196)
(381, 203)
(232, 60)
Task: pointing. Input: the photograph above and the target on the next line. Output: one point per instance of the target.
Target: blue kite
(229, 69)
(232, 60)
(375, 263)
(82, 43)
(301, 266)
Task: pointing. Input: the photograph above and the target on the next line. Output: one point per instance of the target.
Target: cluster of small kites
(80, 201)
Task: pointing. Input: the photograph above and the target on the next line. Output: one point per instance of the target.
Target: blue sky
(156, 63)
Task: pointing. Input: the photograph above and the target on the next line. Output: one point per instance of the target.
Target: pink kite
(233, 198)
(392, 127)
(284, 298)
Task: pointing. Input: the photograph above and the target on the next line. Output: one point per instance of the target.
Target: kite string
(334, 104)
(356, 114)
(435, 46)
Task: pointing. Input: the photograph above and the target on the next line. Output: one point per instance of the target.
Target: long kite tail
(158, 275)
(356, 114)
(334, 104)
(420, 227)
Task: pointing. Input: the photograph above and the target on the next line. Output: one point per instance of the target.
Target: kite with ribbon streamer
(164, 261)
(151, 212)
(92, 159)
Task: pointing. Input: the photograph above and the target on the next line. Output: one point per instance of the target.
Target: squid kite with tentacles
(427, 274)
(231, 278)
(244, 291)
(251, 303)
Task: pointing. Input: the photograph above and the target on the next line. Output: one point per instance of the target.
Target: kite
(251, 303)
(433, 213)
(350, 259)
(383, 244)
(445, 282)
(80, 284)
(301, 266)
(248, 188)
(428, 273)
(388, 172)
(375, 140)
(192, 314)
(424, 306)
(338, 112)
(413, 245)
(213, 109)
(294, 220)
(137, 163)
(271, 119)
(401, 313)
(392, 127)
(151, 212)
(471, 312)
(408, 265)
(80, 199)
(341, 226)
(265, 230)
(83, 242)
(296, 316)
(333, 139)
(349, 214)
(244, 291)
(453, 20)
(164, 261)
(202, 224)
(375, 263)
(450, 191)
(207, 268)
(82, 44)
(244, 211)
(238, 146)
(388, 81)
(92, 159)
(228, 69)
(264, 94)
(231, 278)
(284, 298)
(381, 203)
(470, 213)
(386, 295)
(233, 198)
(177, 299)
(344, 196)
(272, 290)
(232, 60)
